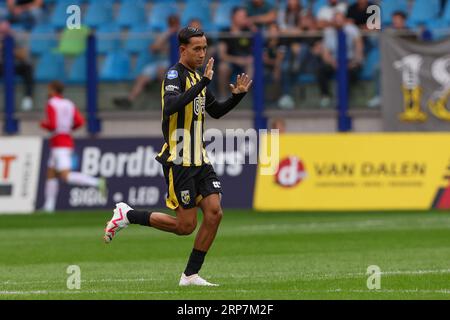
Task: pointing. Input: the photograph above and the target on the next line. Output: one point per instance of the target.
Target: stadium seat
(222, 16)
(317, 5)
(77, 72)
(446, 13)
(42, 39)
(73, 41)
(144, 58)
(138, 39)
(50, 67)
(108, 38)
(388, 7)
(197, 9)
(131, 12)
(159, 14)
(116, 67)
(370, 65)
(423, 11)
(439, 28)
(99, 13)
(59, 16)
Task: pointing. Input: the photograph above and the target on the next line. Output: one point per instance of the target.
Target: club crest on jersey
(185, 196)
(172, 74)
(199, 104)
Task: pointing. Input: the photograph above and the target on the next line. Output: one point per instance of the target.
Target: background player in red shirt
(62, 118)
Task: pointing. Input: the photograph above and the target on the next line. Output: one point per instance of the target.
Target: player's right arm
(174, 99)
(50, 122)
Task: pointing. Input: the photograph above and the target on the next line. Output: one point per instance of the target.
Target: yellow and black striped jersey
(184, 99)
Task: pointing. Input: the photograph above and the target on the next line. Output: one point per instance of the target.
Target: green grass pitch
(255, 256)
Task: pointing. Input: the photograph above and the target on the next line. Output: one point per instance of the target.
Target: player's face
(195, 51)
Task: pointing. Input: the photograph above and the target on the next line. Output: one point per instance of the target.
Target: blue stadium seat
(99, 13)
(50, 67)
(388, 7)
(317, 5)
(144, 58)
(116, 67)
(446, 13)
(423, 11)
(42, 39)
(59, 16)
(370, 65)
(306, 78)
(222, 16)
(159, 14)
(138, 38)
(108, 38)
(77, 72)
(196, 9)
(132, 12)
(439, 28)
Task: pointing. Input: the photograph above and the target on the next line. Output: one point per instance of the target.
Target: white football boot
(118, 222)
(194, 280)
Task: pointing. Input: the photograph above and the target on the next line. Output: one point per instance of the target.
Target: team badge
(185, 197)
(172, 74)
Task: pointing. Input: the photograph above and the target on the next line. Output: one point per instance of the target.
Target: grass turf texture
(255, 256)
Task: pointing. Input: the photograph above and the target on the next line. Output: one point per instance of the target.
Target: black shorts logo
(185, 197)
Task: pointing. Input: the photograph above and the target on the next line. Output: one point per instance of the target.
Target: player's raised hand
(209, 72)
(243, 84)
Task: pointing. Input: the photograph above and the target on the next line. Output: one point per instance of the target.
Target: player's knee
(214, 215)
(185, 228)
(64, 176)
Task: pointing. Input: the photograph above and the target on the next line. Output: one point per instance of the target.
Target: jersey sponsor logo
(185, 197)
(171, 87)
(172, 74)
(199, 104)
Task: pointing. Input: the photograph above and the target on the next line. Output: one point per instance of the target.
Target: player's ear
(182, 48)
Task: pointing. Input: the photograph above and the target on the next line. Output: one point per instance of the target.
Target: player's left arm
(218, 109)
(78, 119)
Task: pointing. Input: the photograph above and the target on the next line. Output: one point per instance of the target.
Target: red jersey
(62, 118)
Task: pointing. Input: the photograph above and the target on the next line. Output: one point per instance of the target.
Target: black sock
(139, 217)
(195, 262)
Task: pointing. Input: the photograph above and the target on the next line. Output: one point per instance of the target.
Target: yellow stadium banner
(356, 172)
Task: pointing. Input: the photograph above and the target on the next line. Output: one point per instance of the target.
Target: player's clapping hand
(243, 84)
(209, 72)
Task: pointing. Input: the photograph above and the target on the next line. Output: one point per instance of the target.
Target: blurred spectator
(195, 23)
(302, 56)
(156, 69)
(22, 65)
(235, 50)
(273, 56)
(25, 12)
(357, 13)
(289, 17)
(399, 20)
(261, 13)
(280, 124)
(328, 66)
(326, 14)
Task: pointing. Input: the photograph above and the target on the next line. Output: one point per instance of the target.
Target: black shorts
(187, 186)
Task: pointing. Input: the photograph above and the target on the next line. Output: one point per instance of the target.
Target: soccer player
(62, 118)
(190, 177)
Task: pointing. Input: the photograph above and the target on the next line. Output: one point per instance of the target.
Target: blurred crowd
(298, 40)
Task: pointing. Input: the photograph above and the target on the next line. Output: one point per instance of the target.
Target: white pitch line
(240, 276)
(77, 292)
